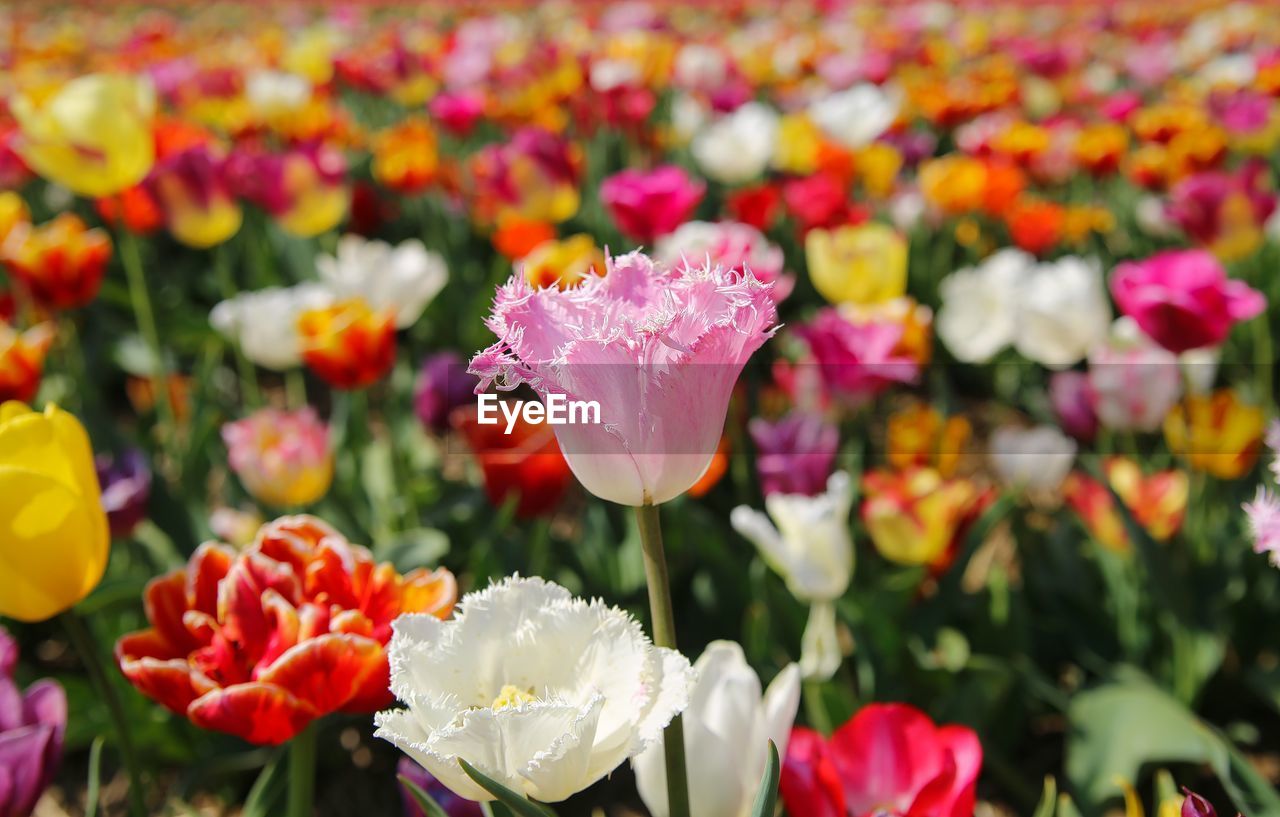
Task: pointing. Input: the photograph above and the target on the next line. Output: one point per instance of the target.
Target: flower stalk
(83, 642)
(302, 773)
(145, 315)
(664, 635)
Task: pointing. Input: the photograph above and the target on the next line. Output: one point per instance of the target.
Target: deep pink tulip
(857, 360)
(1183, 299)
(647, 204)
(888, 759)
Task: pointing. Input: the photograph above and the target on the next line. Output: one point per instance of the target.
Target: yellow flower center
(511, 695)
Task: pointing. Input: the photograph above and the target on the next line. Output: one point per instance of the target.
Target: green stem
(227, 283)
(295, 388)
(146, 318)
(302, 773)
(86, 645)
(664, 635)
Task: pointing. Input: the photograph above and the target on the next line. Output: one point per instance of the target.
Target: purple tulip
(452, 804)
(1072, 399)
(443, 385)
(32, 726)
(1196, 806)
(126, 489)
(795, 455)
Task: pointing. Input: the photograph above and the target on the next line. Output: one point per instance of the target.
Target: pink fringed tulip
(658, 350)
(1182, 299)
(647, 204)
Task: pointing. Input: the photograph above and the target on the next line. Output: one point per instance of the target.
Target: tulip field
(640, 409)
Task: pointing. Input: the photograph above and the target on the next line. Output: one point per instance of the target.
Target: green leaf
(425, 801)
(267, 791)
(1120, 725)
(767, 796)
(1067, 806)
(518, 803)
(95, 778)
(1048, 800)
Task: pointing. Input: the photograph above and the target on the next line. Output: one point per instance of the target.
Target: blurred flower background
(970, 307)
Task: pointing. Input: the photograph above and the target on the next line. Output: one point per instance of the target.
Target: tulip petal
(885, 755)
(147, 660)
(53, 550)
(23, 752)
(264, 714)
(433, 592)
(324, 673)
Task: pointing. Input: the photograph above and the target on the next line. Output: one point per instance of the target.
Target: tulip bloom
(305, 189)
(32, 726)
(863, 264)
(919, 435)
(61, 262)
(1182, 299)
(126, 489)
(443, 385)
(857, 360)
(916, 517)
(1132, 381)
(264, 323)
(794, 455)
(1071, 396)
(282, 458)
(647, 204)
(192, 191)
(727, 727)
(53, 530)
(93, 136)
(349, 344)
(1157, 502)
(260, 643)
(405, 156)
(1216, 433)
(1036, 459)
(402, 279)
(22, 357)
(550, 718)
(730, 244)
(888, 759)
(806, 541)
(658, 350)
(563, 263)
(526, 464)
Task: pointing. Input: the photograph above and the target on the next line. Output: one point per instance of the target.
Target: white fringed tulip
(812, 549)
(727, 729)
(543, 692)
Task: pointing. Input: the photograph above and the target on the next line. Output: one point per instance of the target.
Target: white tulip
(811, 548)
(1032, 458)
(855, 117)
(403, 278)
(736, 148)
(978, 316)
(727, 729)
(272, 93)
(264, 324)
(543, 692)
(1063, 312)
(1134, 380)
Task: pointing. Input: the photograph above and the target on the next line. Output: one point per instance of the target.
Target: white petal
(819, 646)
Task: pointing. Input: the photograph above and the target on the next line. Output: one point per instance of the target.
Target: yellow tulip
(798, 143)
(862, 264)
(53, 531)
(92, 136)
(1216, 433)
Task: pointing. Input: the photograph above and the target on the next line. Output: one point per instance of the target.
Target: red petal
(809, 783)
(259, 713)
(326, 672)
(165, 601)
(146, 659)
(885, 755)
(375, 694)
(209, 566)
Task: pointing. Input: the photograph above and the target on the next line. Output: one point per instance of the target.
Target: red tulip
(888, 759)
(527, 463)
(262, 642)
